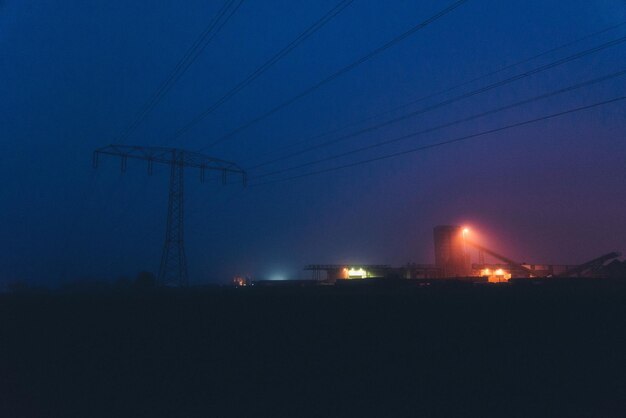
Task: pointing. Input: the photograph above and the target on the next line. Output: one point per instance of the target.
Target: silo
(450, 255)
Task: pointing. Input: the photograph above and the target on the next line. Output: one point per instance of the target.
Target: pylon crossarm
(162, 155)
(173, 268)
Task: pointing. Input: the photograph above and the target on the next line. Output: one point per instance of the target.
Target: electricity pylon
(173, 268)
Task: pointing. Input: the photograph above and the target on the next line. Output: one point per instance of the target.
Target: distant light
(496, 276)
(277, 277)
(359, 273)
(465, 231)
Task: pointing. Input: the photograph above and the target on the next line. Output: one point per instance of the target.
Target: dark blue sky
(75, 74)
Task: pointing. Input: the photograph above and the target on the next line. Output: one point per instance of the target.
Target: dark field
(514, 351)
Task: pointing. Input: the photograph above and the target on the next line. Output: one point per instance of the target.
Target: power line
(449, 141)
(449, 124)
(340, 72)
(454, 99)
(260, 70)
(447, 90)
(207, 35)
(197, 48)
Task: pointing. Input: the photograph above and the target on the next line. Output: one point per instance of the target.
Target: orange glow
(496, 276)
(240, 281)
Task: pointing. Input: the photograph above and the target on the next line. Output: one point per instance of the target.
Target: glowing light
(495, 276)
(465, 231)
(359, 273)
(240, 281)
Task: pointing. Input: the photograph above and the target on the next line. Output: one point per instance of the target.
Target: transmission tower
(173, 268)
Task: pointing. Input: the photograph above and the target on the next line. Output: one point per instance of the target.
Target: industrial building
(453, 250)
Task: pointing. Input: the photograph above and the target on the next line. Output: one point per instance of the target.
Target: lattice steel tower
(173, 268)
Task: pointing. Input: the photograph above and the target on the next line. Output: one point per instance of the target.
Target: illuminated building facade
(335, 272)
(496, 275)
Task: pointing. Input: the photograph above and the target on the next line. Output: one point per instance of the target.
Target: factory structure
(453, 249)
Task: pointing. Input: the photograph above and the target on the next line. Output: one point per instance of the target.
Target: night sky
(75, 74)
